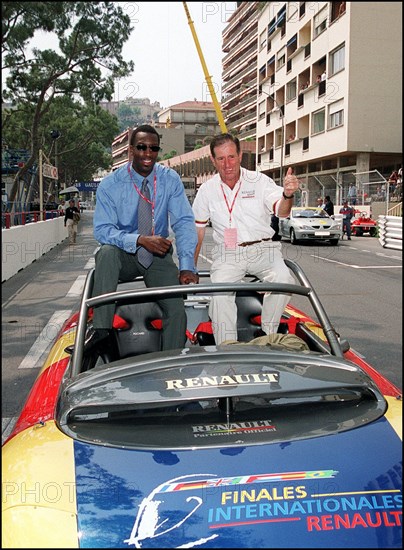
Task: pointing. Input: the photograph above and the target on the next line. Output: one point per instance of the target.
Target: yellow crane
(208, 78)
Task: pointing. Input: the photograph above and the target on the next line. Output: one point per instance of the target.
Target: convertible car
(286, 441)
(310, 224)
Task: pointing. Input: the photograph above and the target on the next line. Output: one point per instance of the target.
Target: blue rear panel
(335, 491)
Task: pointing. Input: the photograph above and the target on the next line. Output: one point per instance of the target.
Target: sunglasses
(142, 147)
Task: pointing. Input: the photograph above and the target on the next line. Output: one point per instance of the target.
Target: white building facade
(329, 103)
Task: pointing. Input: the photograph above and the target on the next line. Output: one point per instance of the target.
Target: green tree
(89, 37)
(86, 136)
(84, 145)
(170, 155)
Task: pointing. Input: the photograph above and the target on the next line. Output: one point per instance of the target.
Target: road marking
(77, 287)
(7, 302)
(376, 266)
(7, 426)
(90, 264)
(389, 256)
(44, 341)
(354, 266)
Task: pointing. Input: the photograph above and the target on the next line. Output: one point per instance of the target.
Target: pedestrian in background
(62, 207)
(72, 218)
(328, 206)
(347, 214)
(239, 203)
(352, 194)
(320, 202)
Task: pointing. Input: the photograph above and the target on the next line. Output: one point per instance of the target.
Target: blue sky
(167, 64)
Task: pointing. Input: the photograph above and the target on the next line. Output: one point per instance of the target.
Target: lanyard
(230, 208)
(153, 202)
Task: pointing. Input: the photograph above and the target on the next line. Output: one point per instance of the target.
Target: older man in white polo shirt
(239, 204)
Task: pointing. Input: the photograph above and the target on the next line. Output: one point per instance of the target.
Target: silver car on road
(310, 223)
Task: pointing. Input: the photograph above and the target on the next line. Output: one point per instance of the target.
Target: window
(337, 60)
(261, 110)
(338, 9)
(321, 88)
(281, 58)
(272, 27)
(320, 22)
(318, 122)
(291, 90)
(271, 66)
(300, 100)
(263, 40)
(336, 114)
(337, 119)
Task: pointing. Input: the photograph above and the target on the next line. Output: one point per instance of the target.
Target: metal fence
(371, 187)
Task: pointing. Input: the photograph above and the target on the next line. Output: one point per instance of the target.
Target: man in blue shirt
(116, 228)
(352, 194)
(347, 214)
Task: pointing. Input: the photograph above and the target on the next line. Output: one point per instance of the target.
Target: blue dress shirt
(115, 216)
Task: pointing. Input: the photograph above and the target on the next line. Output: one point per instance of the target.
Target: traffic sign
(49, 171)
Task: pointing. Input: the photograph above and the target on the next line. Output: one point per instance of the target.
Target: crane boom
(208, 78)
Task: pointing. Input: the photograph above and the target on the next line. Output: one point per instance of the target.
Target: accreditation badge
(230, 238)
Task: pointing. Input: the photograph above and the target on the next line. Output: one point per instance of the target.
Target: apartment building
(171, 139)
(317, 85)
(329, 99)
(239, 73)
(197, 118)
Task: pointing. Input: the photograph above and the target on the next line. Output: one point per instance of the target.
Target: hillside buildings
(147, 111)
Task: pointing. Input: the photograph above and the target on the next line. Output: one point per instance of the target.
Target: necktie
(144, 217)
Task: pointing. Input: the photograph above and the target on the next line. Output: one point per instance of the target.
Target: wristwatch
(286, 197)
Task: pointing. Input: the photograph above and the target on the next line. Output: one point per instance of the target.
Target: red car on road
(364, 224)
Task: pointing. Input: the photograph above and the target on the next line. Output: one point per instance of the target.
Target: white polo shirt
(248, 207)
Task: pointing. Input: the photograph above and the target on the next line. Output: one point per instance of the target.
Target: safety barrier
(23, 244)
(391, 231)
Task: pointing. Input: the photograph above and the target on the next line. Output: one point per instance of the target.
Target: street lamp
(279, 107)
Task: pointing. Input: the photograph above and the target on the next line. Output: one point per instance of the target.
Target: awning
(281, 20)
(71, 189)
(271, 27)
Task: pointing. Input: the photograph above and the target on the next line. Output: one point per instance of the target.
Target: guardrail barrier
(391, 231)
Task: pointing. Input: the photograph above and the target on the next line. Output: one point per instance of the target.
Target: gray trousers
(112, 264)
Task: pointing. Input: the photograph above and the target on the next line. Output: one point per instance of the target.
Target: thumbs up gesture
(290, 183)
